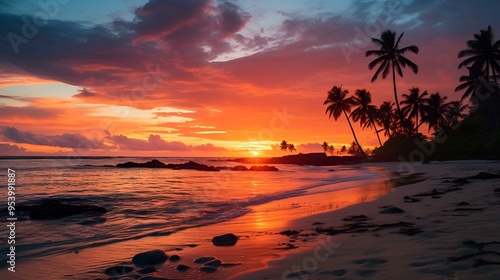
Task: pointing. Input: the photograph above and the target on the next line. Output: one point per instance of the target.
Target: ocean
(145, 202)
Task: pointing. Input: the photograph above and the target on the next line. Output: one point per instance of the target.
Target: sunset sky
(209, 78)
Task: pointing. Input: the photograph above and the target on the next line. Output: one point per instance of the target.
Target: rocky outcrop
(52, 209)
(263, 168)
(177, 166)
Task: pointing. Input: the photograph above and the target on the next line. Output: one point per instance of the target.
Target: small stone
(391, 210)
(174, 258)
(182, 267)
(213, 263)
(225, 240)
(201, 260)
(208, 269)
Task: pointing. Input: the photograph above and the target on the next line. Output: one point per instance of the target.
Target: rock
(460, 181)
(208, 269)
(331, 170)
(239, 168)
(158, 164)
(150, 164)
(148, 269)
(356, 218)
(201, 260)
(485, 175)
(213, 263)
(391, 210)
(182, 267)
(463, 203)
(174, 258)
(497, 190)
(263, 168)
(225, 240)
(149, 258)
(118, 270)
(409, 199)
(52, 209)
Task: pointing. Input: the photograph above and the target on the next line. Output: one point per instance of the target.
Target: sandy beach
(450, 235)
(433, 228)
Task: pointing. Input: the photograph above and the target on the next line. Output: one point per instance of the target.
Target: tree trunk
(396, 93)
(354, 134)
(376, 132)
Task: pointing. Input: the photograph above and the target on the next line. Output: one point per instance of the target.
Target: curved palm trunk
(354, 134)
(376, 132)
(416, 124)
(396, 92)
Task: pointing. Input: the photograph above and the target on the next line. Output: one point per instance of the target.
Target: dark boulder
(52, 209)
(174, 258)
(263, 168)
(225, 240)
(150, 164)
(149, 258)
(182, 267)
(239, 168)
(177, 166)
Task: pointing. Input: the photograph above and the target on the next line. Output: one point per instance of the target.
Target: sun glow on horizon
(255, 153)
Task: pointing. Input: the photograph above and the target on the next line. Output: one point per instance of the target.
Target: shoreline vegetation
(468, 128)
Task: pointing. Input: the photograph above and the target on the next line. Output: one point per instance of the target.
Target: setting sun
(255, 153)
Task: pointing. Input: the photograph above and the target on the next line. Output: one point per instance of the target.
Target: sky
(207, 77)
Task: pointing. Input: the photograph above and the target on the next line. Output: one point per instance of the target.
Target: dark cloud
(27, 112)
(11, 150)
(85, 93)
(66, 140)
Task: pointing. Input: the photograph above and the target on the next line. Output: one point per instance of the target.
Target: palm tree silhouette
(436, 110)
(365, 112)
(415, 104)
(472, 83)
(385, 117)
(390, 58)
(339, 103)
(291, 148)
(455, 112)
(284, 146)
(482, 52)
(325, 146)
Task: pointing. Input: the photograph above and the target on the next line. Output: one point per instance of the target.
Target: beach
(455, 236)
(443, 233)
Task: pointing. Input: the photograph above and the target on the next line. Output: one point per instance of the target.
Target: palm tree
(331, 150)
(291, 148)
(415, 104)
(284, 146)
(365, 112)
(435, 114)
(325, 146)
(390, 58)
(482, 52)
(385, 117)
(473, 83)
(339, 103)
(343, 150)
(455, 112)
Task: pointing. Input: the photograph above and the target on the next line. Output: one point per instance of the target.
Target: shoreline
(454, 226)
(262, 252)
